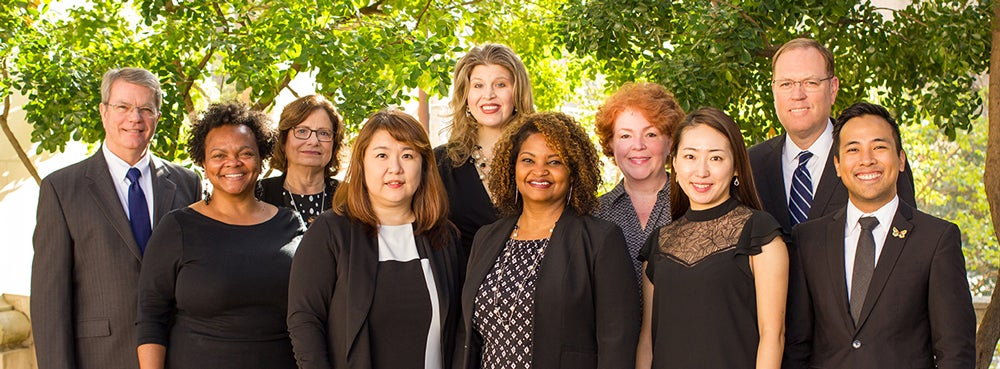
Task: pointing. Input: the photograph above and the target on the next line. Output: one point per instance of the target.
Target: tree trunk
(989, 328)
(10, 134)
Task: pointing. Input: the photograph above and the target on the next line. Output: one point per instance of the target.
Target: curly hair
(297, 112)
(230, 114)
(465, 129)
(649, 99)
(567, 138)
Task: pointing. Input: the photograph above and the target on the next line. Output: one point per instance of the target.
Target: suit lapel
(102, 188)
(480, 266)
(363, 265)
(773, 186)
(163, 189)
(835, 260)
(828, 184)
(891, 250)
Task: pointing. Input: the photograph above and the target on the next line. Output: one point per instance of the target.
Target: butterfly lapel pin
(898, 233)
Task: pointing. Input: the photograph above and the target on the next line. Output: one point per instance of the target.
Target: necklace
(311, 206)
(481, 162)
(532, 273)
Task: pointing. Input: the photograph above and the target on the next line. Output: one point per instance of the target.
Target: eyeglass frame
(129, 108)
(801, 82)
(311, 132)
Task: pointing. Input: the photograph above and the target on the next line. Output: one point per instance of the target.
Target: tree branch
(10, 134)
(420, 16)
(264, 103)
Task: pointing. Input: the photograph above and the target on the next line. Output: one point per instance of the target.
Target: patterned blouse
(616, 207)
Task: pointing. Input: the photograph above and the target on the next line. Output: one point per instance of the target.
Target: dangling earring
(569, 196)
(515, 196)
(736, 181)
(207, 196)
(514, 112)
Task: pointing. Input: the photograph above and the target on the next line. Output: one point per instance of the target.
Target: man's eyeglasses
(809, 85)
(144, 111)
(303, 133)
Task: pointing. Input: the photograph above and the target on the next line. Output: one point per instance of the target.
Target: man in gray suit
(93, 223)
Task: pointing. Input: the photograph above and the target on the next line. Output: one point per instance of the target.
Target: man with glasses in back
(94, 218)
(794, 172)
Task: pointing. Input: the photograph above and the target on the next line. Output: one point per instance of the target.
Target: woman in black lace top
(716, 277)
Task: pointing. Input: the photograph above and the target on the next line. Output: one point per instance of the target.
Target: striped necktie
(802, 193)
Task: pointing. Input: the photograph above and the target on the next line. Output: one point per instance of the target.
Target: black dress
(215, 294)
(704, 301)
(470, 204)
(309, 206)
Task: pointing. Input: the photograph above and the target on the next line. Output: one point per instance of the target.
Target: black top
(470, 204)
(216, 294)
(704, 301)
(272, 191)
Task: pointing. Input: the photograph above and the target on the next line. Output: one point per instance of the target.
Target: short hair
(430, 201)
(651, 100)
(464, 128)
(716, 119)
(860, 109)
(230, 114)
(136, 76)
(565, 137)
(294, 114)
(806, 43)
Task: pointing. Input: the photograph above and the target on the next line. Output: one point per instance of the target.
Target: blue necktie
(802, 193)
(138, 212)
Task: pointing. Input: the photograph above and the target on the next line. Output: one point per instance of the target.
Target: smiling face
(491, 95)
(127, 133)
(868, 162)
(541, 175)
(310, 153)
(640, 148)
(803, 114)
(392, 172)
(232, 161)
(704, 166)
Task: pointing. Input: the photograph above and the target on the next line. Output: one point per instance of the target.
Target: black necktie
(864, 265)
(138, 212)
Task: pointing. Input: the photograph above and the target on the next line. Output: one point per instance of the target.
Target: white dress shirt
(119, 168)
(852, 231)
(790, 159)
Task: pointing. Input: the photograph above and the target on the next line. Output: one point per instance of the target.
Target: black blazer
(86, 266)
(830, 196)
(331, 289)
(586, 305)
(918, 310)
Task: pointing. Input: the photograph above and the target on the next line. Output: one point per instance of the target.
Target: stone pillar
(17, 350)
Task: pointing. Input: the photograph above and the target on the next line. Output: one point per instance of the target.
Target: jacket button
(856, 344)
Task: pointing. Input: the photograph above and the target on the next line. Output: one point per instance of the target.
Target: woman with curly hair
(310, 132)
(213, 287)
(489, 91)
(376, 281)
(634, 127)
(716, 277)
(544, 284)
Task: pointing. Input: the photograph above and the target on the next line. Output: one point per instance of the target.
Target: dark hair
(430, 201)
(294, 114)
(806, 43)
(464, 129)
(230, 114)
(860, 109)
(714, 118)
(565, 137)
(649, 99)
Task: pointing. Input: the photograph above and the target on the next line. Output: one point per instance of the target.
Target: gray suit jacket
(86, 265)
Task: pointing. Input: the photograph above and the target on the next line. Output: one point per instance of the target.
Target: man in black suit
(94, 218)
(882, 284)
(805, 88)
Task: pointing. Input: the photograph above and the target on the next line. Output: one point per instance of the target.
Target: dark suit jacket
(830, 195)
(586, 305)
(331, 289)
(86, 264)
(917, 312)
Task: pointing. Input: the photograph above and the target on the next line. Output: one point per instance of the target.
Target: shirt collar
(119, 167)
(820, 148)
(883, 214)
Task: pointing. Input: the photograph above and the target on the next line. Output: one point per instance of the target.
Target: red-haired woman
(375, 283)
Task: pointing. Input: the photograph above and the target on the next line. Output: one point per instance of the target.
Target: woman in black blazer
(375, 282)
(549, 286)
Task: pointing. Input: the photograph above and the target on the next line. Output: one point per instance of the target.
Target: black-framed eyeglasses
(144, 111)
(809, 84)
(322, 134)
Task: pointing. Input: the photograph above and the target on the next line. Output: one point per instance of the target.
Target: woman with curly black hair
(213, 288)
(546, 284)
